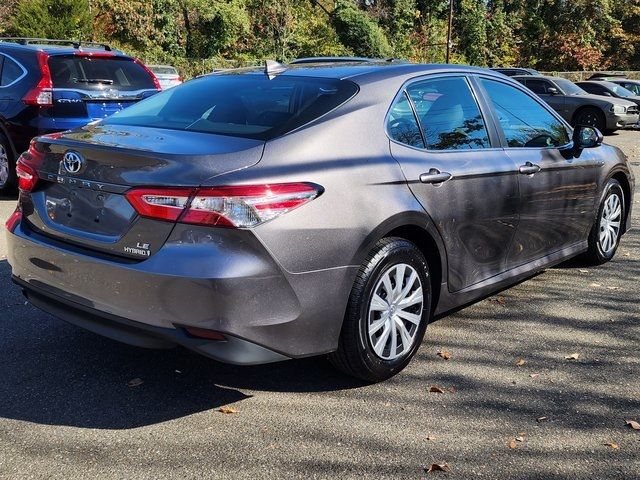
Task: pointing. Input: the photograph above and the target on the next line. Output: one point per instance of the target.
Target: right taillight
(242, 206)
(42, 94)
(26, 167)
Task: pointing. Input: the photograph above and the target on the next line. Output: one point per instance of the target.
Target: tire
(591, 117)
(363, 349)
(7, 167)
(602, 247)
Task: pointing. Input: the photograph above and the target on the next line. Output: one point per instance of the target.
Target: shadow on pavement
(55, 373)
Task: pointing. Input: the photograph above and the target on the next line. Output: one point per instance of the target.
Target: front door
(468, 187)
(557, 190)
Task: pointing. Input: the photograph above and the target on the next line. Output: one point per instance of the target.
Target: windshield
(98, 73)
(249, 105)
(163, 70)
(619, 90)
(568, 87)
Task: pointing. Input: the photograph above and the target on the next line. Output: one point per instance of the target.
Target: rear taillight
(42, 94)
(156, 82)
(233, 206)
(26, 167)
(13, 220)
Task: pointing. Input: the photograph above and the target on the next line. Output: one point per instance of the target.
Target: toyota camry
(336, 209)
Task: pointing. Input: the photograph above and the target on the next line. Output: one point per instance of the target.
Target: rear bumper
(228, 283)
(232, 350)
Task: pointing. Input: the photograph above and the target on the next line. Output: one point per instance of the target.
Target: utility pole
(449, 30)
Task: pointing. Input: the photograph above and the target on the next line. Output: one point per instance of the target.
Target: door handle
(529, 168)
(435, 176)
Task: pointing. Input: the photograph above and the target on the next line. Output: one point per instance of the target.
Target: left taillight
(156, 82)
(242, 206)
(13, 221)
(42, 94)
(26, 167)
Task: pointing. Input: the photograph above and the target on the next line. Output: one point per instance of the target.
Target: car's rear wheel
(591, 117)
(605, 233)
(7, 167)
(387, 314)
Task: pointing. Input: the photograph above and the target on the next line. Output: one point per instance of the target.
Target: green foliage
(358, 32)
(199, 35)
(51, 19)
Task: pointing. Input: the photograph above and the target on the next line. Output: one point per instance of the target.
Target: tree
(358, 31)
(52, 19)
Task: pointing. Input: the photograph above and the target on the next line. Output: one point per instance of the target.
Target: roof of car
(604, 83)
(362, 70)
(56, 47)
(545, 77)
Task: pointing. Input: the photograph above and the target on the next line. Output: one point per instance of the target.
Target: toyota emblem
(72, 162)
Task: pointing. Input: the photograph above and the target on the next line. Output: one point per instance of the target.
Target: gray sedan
(579, 107)
(261, 215)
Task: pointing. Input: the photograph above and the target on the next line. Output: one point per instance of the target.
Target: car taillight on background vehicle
(42, 94)
(13, 220)
(242, 206)
(26, 167)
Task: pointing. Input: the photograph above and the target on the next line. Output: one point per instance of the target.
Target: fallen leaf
(542, 419)
(444, 354)
(431, 438)
(520, 439)
(573, 356)
(613, 445)
(438, 467)
(227, 410)
(633, 424)
(520, 362)
(513, 444)
(595, 285)
(435, 389)
(499, 300)
(135, 382)
(582, 270)
(534, 375)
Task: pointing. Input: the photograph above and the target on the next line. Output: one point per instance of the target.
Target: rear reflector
(204, 333)
(13, 220)
(242, 206)
(42, 94)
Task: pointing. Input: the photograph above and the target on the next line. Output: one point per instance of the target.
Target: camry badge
(72, 162)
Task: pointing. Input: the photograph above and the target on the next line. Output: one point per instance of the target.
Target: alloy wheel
(610, 223)
(4, 166)
(395, 312)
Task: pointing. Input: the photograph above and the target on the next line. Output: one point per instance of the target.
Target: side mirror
(552, 91)
(586, 137)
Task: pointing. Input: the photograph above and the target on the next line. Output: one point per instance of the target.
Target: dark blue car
(49, 86)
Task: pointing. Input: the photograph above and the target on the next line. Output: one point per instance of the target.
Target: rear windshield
(249, 105)
(568, 87)
(88, 73)
(163, 70)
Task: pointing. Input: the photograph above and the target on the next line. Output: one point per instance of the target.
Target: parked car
(54, 85)
(167, 75)
(256, 216)
(513, 71)
(578, 107)
(631, 85)
(609, 89)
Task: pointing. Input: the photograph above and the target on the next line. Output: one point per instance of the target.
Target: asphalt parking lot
(75, 405)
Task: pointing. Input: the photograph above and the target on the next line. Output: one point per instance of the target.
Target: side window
(593, 88)
(634, 87)
(11, 71)
(524, 121)
(449, 115)
(402, 124)
(538, 86)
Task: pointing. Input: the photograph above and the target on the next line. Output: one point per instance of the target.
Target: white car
(167, 75)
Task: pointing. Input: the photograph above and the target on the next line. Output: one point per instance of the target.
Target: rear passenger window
(448, 114)
(524, 121)
(402, 124)
(11, 71)
(538, 86)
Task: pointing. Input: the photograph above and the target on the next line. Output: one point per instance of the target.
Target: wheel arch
(586, 107)
(622, 178)
(418, 228)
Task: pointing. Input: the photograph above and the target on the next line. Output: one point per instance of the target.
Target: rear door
(94, 86)
(557, 189)
(455, 167)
